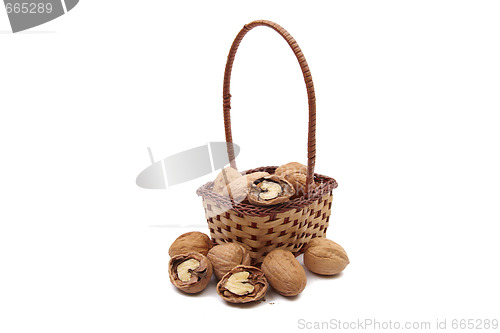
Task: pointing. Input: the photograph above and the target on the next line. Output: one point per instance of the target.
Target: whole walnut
(193, 241)
(226, 176)
(284, 272)
(298, 181)
(226, 256)
(294, 167)
(238, 189)
(296, 174)
(324, 256)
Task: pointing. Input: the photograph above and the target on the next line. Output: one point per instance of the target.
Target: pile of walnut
(194, 260)
(261, 188)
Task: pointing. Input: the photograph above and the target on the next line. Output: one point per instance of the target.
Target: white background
(408, 104)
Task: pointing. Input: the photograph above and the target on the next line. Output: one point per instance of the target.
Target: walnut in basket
(270, 190)
(238, 189)
(296, 174)
(226, 176)
(292, 167)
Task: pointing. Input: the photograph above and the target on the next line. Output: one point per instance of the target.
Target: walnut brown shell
(298, 181)
(325, 257)
(226, 256)
(193, 241)
(224, 178)
(255, 277)
(294, 167)
(284, 272)
(296, 174)
(199, 276)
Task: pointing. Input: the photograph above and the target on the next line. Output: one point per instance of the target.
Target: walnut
(226, 176)
(190, 242)
(270, 190)
(242, 284)
(298, 181)
(294, 167)
(238, 188)
(190, 272)
(296, 174)
(226, 256)
(324, 256)
(284, 272)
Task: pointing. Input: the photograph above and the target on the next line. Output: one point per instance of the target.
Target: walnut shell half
(242, 284)
(190, 272)
(226, 256)
(238, 189)
(270, 190)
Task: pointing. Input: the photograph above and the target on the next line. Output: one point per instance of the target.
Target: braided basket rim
(326, 185)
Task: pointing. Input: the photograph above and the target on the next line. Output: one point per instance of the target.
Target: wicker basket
(289, 225)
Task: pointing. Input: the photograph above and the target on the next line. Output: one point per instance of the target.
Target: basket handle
(311, 137)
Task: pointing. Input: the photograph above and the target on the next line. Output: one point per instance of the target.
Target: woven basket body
(260, 230)
(288, 225)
